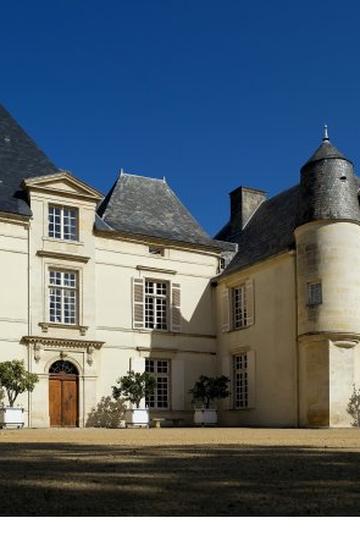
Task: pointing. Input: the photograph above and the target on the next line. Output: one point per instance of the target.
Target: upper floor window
(237, 306)
(156, 250)
(63, 296)
(156, 304)
(63, 222)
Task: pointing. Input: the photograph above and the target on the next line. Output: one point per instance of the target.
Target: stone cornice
(63, 342)
(62, 255)
(154, 269)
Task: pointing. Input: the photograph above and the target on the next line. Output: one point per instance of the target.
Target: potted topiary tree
(16, 380)
(205, 392)
(135, 387)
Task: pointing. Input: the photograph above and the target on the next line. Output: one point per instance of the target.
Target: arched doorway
(63, 394)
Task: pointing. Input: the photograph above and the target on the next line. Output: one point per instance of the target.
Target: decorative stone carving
(37, 351)
(90, 352)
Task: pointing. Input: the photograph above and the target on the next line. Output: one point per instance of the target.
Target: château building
(96, 285)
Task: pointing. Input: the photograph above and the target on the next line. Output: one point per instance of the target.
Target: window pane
(54, 222)
(156, 304)
(63, 222)
(241, 383)
(159, 399)
(63, 297)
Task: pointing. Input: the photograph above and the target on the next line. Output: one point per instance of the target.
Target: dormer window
(63, 222)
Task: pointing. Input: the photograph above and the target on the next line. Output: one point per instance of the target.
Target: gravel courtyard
(180, 472)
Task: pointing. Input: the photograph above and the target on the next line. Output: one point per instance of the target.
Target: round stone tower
(328, 287)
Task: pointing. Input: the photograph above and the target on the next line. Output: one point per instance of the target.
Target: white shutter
(175, 307)
(251, 378)
(137, 364)
(138, 299)
(249, 302)
(225, 310)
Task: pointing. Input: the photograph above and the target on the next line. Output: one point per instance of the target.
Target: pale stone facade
(282, 321)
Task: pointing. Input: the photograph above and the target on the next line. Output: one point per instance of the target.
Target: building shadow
(55, 479)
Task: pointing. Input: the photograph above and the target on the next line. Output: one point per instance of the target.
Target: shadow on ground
(70, 479)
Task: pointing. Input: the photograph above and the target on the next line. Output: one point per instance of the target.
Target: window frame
(156, 308)
(62, 208)
(160, 374)
(243, 373)
(235, 325)
(317, 299)
(62, 289)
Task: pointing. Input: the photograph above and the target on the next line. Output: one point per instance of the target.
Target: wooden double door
(64, 399)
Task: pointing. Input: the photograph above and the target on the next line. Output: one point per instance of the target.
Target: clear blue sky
(211, 94)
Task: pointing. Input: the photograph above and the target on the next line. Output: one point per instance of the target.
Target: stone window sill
(46, 325)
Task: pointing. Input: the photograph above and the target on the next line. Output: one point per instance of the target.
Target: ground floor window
(159, 399)
(241, 380)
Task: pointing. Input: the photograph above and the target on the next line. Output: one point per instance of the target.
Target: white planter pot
(205, 417)
(12, 417)
(137, 417)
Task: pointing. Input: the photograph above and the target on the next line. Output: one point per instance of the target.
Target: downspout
(297, 384)
(29, 351)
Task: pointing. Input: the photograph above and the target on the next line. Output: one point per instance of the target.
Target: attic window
(156, 250)
(63, 222)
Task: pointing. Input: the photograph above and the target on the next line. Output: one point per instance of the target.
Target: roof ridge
(152, 178)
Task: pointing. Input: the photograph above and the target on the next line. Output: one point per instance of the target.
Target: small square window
(314, 294)
(156, 250)
(63, 223)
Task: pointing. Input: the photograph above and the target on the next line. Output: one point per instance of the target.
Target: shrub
(208, 389)
(16, 379)
(134, 387)
(2, 395)
(353, 407)
(108, 413)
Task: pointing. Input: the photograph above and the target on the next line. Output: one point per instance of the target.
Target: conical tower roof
(328, 187)
(20, 158)
(326, 150)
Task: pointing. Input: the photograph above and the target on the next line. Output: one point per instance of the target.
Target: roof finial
(326, 134)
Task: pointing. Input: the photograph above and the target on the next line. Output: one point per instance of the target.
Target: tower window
(314, 294)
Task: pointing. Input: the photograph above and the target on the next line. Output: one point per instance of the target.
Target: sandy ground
(180, 472)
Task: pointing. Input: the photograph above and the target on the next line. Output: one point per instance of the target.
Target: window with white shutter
(175, 307)
(138, 303)
(225, 310)
(242, 305)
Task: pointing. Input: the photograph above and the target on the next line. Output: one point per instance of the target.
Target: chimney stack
(244, 202)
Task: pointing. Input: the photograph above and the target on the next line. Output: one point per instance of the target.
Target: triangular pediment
(62, 183)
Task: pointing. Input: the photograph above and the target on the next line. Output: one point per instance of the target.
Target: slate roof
(326, 150)
(20, 158)
(269, 232)
(145, 206)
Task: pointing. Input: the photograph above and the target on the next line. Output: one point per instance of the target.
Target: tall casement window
(237, 306)
(159, 399)
(63, 222)
(63, 296)
(156, 304)
(243, 379)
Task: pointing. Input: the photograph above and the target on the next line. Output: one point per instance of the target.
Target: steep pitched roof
(269, 232)
(20, 158)
(147, 206)
(326, 150)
